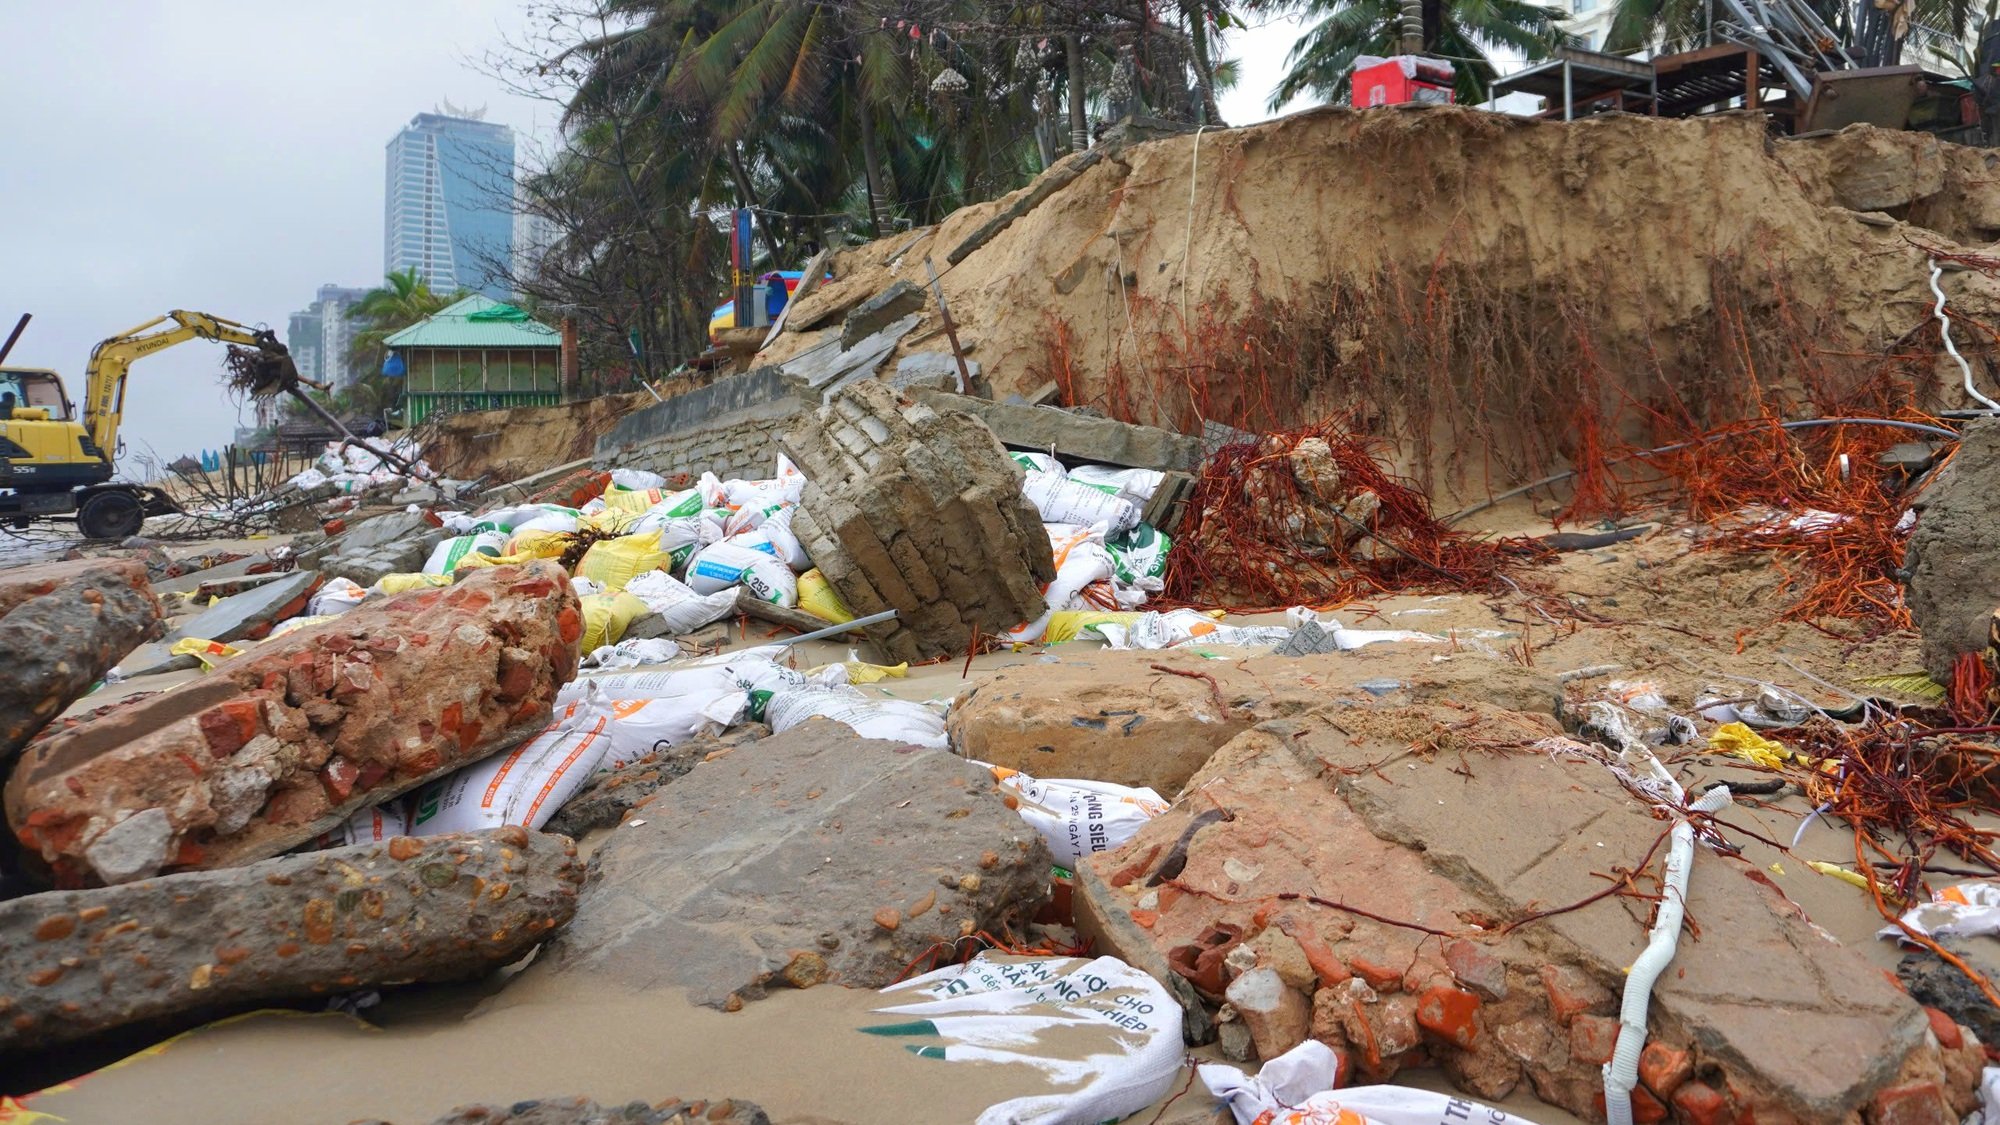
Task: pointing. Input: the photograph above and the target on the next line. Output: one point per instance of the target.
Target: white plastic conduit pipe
(1622, 1072)
(1944, 329)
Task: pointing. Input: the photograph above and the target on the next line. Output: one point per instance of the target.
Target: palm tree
(1322, 61)
(384, 311)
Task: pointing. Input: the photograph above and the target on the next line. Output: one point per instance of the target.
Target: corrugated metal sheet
(449, 328)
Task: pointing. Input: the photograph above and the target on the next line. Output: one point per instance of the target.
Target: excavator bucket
(1876, 95)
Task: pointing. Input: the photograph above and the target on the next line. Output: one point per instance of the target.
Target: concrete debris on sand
(281, 744)
(607, 796)
(1154, 718)
(813, 855)
(62, 626)
(582, 1111)
(1453, 941)
(918, 511)
(303, 927)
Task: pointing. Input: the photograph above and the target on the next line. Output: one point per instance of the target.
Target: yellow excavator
(54, 463)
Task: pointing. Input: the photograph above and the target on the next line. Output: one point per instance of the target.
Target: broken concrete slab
(21, 583)
(185, 947)
(281, 744)
(1080, 437)
(1953, 560)
(607, 797)
(931, 371)
(1027, 199)
(812, 855)
(1413, 816)
(61, 641)
(251, 614)
(919, 511)
(237, 568)
(395, 543)
(827, 367)
(1117, 716)
(879, 312)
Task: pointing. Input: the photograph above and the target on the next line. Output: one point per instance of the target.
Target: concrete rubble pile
(285, 743)
(384, 740)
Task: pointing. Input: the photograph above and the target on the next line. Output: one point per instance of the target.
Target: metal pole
(19, 326)
(836, 630)
(1569, 99)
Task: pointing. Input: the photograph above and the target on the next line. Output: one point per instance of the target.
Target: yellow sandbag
(611, 520)
(210, 653)
(404, 583)
(614, 562)
(474, 562)
(817, 597)
(862, 672)
(1739, 741)
(607, 616)
(1065, 624)
(620, 500)
(539, 544)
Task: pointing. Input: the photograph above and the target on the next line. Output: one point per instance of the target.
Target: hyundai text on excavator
(56, 463)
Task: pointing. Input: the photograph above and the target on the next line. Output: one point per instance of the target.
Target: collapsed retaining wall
(729, 428)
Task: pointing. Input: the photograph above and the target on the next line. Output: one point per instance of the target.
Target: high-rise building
(302, 339)
(533, 236)
(336, 333)
(450, 203)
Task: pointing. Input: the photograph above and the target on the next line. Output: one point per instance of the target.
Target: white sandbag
(750, 517)
(719, 566)
(678, 605)
(448, 554)
(523, 786)
(791, 482)
(1038, 463)
(310, 478)
(641, 726)
(1187, 626)
(1296, 1088)
(562, 523)
(680, 536)
(1107, 1035)
(336, 596)
(1080, 560)
(631, 654)
(1061, 500)
(1139, 557)
(749, 671)
(1348, 640)
(370, 826)
(894, 720)
(637, 480)
(777, 529)
(770, 580)
(1079, 817)
(1134, 485)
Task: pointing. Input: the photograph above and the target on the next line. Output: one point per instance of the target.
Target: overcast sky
(227, 156)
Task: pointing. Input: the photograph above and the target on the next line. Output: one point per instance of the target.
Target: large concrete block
(1953, 560)
(75, 963)
(63, 627)
(1082, 437)
(921, 512)
(1458, 858)
(283, 743)
(812, 855)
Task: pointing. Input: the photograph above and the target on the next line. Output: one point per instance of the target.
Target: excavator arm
(111, 361)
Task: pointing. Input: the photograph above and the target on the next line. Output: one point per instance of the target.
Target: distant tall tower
(450, 202)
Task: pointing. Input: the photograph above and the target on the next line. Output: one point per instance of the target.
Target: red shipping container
(1386, 84)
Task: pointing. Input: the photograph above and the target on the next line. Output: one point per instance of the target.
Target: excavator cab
(33, 388)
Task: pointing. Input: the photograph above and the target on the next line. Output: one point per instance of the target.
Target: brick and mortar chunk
(62, 625)
(279, 745)
(75, 963)
(921, 512)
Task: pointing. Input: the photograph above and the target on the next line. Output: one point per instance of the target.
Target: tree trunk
(871, 167)
(1204, 75)
(1412, 18)
(1079, 125)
